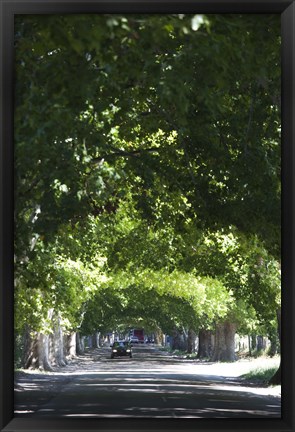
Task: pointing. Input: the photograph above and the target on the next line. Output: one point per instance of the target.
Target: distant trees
(147, 172)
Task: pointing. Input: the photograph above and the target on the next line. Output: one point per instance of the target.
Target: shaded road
(151, 384)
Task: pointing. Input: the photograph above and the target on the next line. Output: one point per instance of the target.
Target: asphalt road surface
(151, 384)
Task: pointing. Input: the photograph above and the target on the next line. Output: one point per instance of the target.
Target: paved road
(151, 384)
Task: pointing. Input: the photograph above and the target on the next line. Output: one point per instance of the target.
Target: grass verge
(260, 375)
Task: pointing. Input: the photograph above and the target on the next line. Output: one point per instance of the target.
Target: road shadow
(151, 384)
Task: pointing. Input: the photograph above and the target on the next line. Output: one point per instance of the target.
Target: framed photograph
(147, 215)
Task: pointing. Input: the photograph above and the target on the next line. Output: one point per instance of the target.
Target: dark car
(120, 349)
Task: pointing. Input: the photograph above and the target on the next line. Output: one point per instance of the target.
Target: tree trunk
(175, 340)
(184, 339)
(178, 342)
(191, 341)
(273, 336)
(273, 346)
(58, 343)
(159, 337)
(156, 338)
(30, 349)
(43, 352)
(70, 345)
(277, 378)
(79, 344)
(101, 339)
(36, 351)
(259, 343)
(224, 349)
(253, 342)
(96, 340)
(36, 355)
(205, 344)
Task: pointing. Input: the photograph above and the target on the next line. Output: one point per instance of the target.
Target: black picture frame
(8, 10)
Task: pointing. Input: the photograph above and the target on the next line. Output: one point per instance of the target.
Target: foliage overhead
(147, 169)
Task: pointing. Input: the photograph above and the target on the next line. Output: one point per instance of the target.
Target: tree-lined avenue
(147, 183)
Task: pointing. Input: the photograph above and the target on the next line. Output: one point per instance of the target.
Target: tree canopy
(147, 169)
